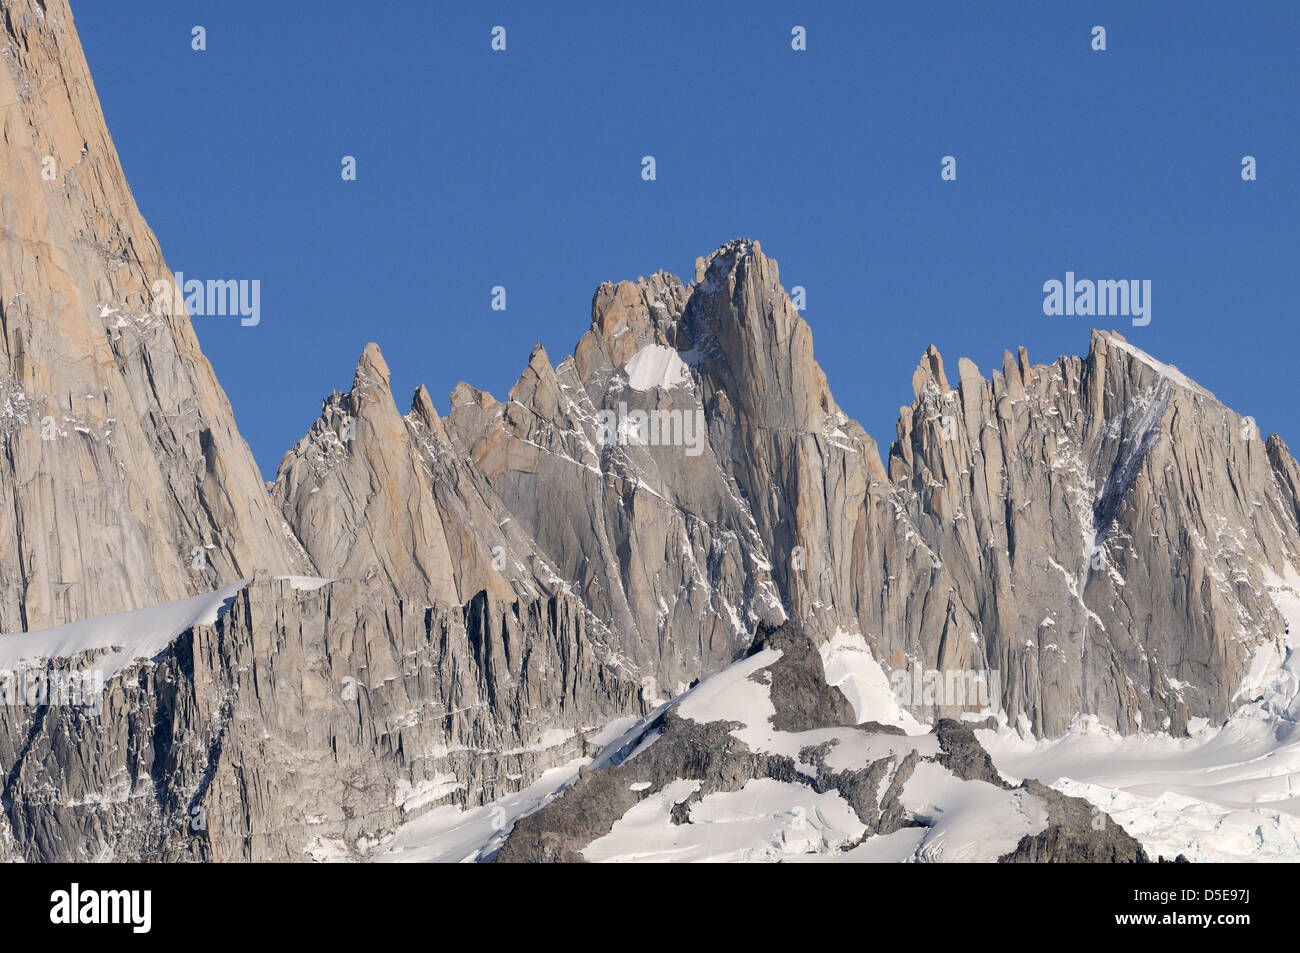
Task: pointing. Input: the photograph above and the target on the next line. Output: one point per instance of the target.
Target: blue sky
(523, 169)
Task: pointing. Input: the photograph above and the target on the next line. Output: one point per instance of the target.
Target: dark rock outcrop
(1077, 833)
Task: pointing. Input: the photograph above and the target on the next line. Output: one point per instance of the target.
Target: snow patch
(124, 638)
(766, 820)
(450, 834)
(1164, 370)
(852, 669)
(305, 583)
(656, 366)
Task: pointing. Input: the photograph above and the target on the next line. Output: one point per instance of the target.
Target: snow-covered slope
(450, 834)
(766, 761)
(1226, 793)
(1229, 792)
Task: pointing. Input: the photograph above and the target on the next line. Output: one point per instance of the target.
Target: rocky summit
(664, 600)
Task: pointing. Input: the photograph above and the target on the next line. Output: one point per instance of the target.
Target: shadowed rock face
(1077, 833)
(963, 755)
(798, 685)
(305, 724)
(588, 809)
(684, 749)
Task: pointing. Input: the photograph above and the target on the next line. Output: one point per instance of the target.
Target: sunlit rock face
(444, 606)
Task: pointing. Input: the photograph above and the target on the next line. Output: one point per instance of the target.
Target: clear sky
(523, 169)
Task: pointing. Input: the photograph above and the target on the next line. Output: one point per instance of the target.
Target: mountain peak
(371, 369)
(930, 372)
(680, 509)
(1105, 345)
(113, 409)
(464, 393)
(422, 406)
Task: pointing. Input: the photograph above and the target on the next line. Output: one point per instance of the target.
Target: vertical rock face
(123, 481)
(1100, 534)
(606, 462)
(803, 465)
(373, 493)
(1095, 536)
(686, 474)
(305, 724)
(1106, 531)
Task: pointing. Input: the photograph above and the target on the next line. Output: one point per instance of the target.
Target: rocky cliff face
(1105, 531)
(607, 462)
(304, 723)
(124, 481)
(1098, 537)
(378, 495)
